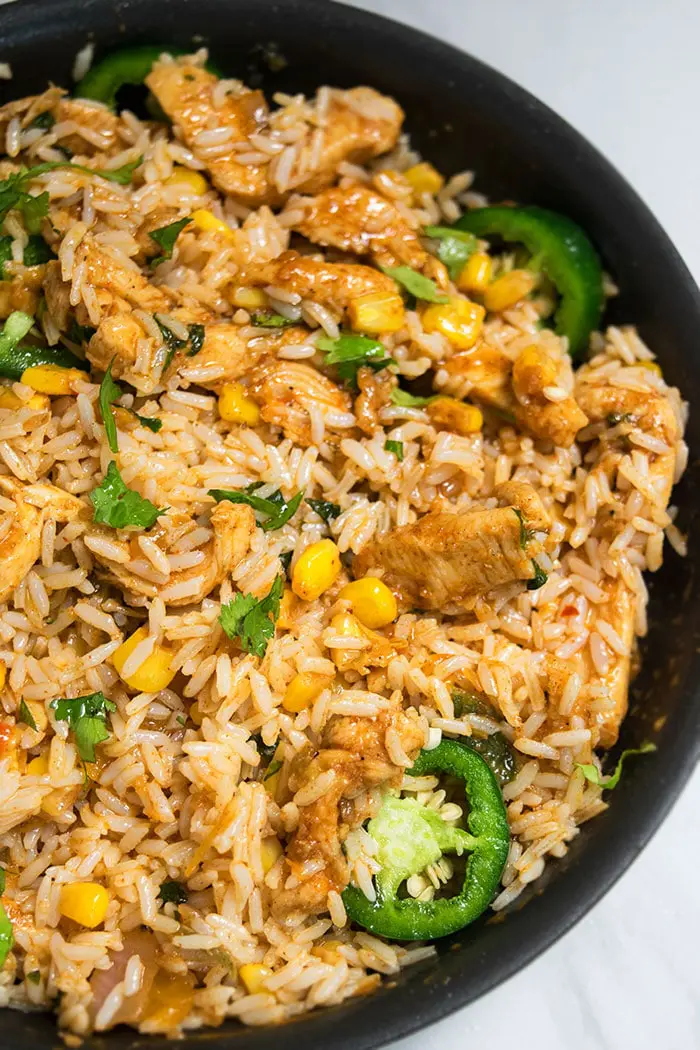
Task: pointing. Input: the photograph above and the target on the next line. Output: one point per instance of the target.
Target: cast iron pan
(461, 114)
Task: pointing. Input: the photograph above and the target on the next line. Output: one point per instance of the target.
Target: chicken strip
(558, 421)
(482, 373)
(357, 752)
(116, 283)
(332, 284)
(449, 559)
(233, 527)
(20, 546)
(293, 395)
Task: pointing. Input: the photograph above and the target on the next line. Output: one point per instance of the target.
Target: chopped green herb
(45, 120)
(253, 621)
(87, 717)
(593, 774)
(454, 248)
(172, 892)
(286, 558)
(15, 357)
(181, 720)
(266, 751)
(269, 319)
(6, 936)
(26, 716)
(149, 422)
(403, 399)
(109, 393)
(396, 447)
(80, 333)
(37, 251)
(350, 352)
(5, 254)
(497, 752)
(273, 768)
(165, 238)
(197, 334)
(539, 579)
(195, 341)
(34, 976)
(117, 505)
(277, 509)
(466, 703)
(526, 534)
(2, 878)
(416, 284)
(324, 509)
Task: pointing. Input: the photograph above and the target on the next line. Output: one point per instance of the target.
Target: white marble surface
(625, 73)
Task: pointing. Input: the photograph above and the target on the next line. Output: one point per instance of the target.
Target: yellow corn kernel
(270, 852)
(52, 379)
(254, 976)
(3, 675)
(247, 298)
(509, 289)
(236, 407)
(186, 177)
(455, 415)
(195, 713)
(169, 1000)
(345, 625)
(423, 178)
(372, 602)
(154, 674)
(651, 366)
(316, 570)
(84, 902)
(38, 767)
(303, 690)
(285, 620)
(377, 312)
(460, 321)
(476, 273)
(8, 399)
(206, 220)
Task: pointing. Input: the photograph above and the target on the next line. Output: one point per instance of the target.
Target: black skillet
(461, 114)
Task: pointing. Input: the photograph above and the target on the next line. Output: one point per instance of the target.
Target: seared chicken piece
(375, 393)
(359, 220)
(20, 547)
(618, 611)
(155, 220)
(290, 394)
(557, 421)
(233, 525)
(482, 373)
(187, 94)
(22, 291)
(449, 559)
(114, 282)
(57, 295)
(357, 751)
(649, 410)
(81, 112)
(331, 284)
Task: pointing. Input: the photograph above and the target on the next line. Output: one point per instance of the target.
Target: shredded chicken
(331, 284)
(482, 373)
(448, 559)
(375, 393)
(233, 526)
(558, 421)
(291, 395)
(20, 545)
(358, 752)
(113, 281)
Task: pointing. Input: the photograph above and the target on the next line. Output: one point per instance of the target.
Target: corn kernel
(169, 1000)
(52, 379)
(84, 902)
(285, 620)
(186, 177)
(270, 852)
(3, 675)
(254, 976)
(460, 321)
(38, 767)
(476, 273)
(316, 570)
(247, 298)
(372, 602)
(236, 407)
(8, 399)
(154, 674)
(345, 625)
(303, 690)
(651, 366)
(206, 220)
(377, 312)
(455, 415)
(423, 178)
(508, 290)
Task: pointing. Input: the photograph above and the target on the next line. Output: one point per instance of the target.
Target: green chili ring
(127, 66)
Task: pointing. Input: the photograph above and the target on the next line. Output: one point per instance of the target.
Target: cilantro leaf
(195, 341)
(33, 210)
(45, 120)
(34, 976)
(253, 621)
(117, 505)
(26, 716)
(454, 248)
(593, 774)
(396, 447)
(109, 393)
(269, 319)
(80, 333)
(5, 254)
(150, 422)
(37, 252)
(275, 506)
(7, 939)
(172, 892)
(273, 768)
(197, 334)
(539, 579)
(403, 399)
(416, 284)
(165, 237)
(350, 352)
(324, 509)
(87, 718)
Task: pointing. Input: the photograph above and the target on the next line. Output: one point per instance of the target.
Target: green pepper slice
(565, 254)
(411, 836)
(130, 65)
(16, 358)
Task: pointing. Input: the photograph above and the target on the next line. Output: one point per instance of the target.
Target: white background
(627, 75)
